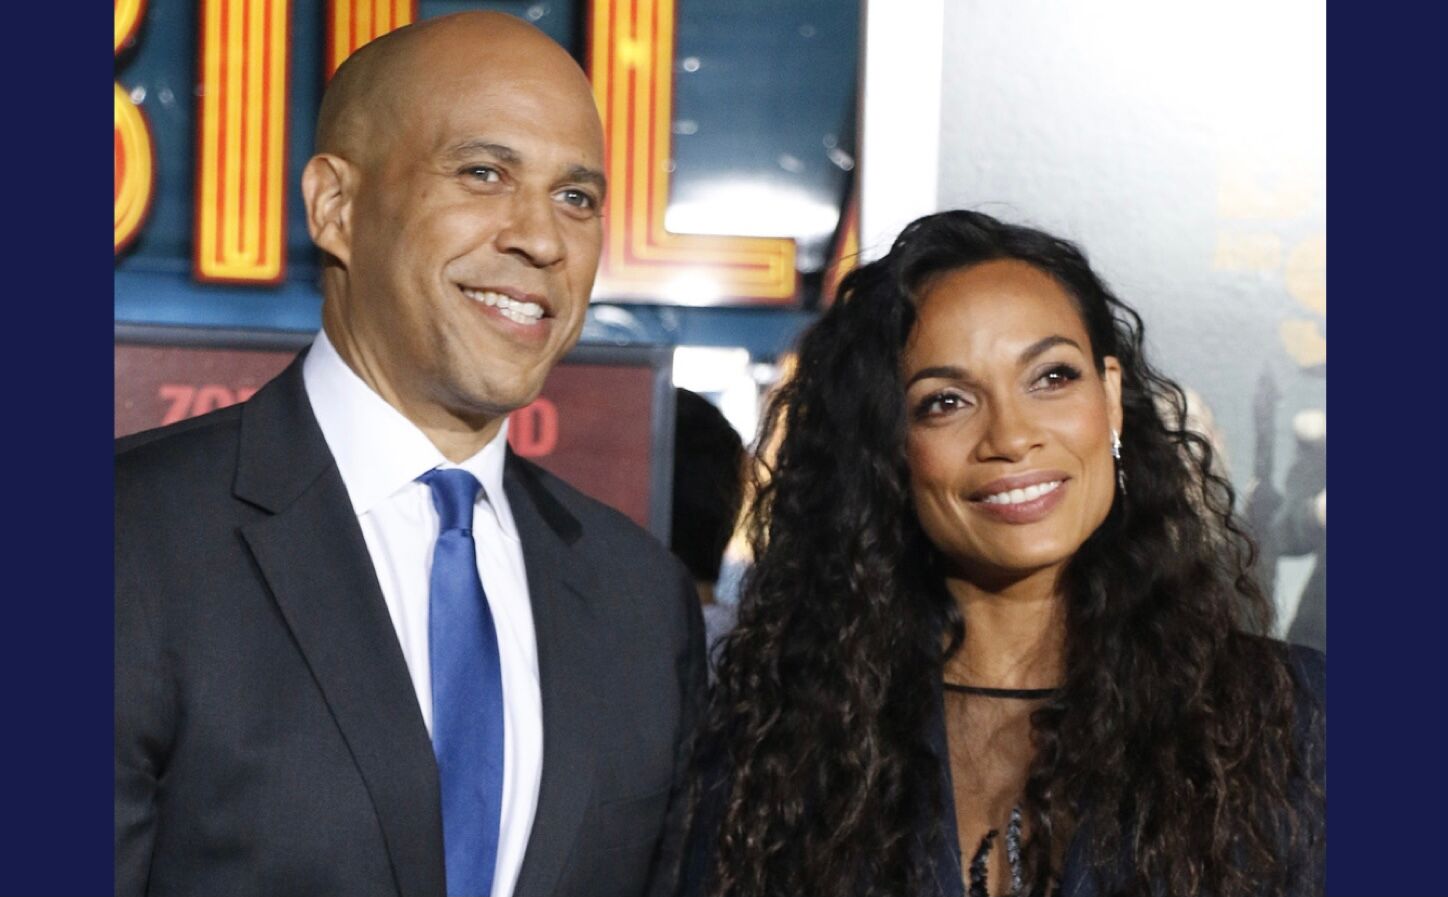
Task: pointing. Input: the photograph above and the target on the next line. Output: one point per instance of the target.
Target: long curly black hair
(1171, 742)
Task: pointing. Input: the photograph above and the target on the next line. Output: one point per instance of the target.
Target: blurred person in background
(709, 471)
(1300, 527)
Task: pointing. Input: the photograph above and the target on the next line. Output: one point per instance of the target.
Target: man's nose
(531, 232)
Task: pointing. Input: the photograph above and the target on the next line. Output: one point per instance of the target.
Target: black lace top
(977, 872)
(978, 863)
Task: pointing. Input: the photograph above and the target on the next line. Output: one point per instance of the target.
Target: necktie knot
(454, 492)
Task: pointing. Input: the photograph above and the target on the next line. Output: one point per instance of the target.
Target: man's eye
(579, 199)
(483, 173)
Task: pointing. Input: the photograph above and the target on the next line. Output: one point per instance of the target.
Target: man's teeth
(515, 310)
(1016, 496)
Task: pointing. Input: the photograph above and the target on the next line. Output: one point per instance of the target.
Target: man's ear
(1111, 376)
(328, 187)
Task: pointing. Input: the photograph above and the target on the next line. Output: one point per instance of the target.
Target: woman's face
(1008, 422)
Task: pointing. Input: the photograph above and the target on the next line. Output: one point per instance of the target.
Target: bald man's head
(369, 95)
(457, 192)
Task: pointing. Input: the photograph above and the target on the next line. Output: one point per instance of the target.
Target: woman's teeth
(1016, 496)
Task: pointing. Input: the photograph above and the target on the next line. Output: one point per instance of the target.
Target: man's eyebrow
(589, 176)
(500, 151)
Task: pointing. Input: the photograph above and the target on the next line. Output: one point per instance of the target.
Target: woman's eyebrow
(1041, 345)
(945, 372)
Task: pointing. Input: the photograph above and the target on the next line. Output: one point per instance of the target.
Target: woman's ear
(1111, 377)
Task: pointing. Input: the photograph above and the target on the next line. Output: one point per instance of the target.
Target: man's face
(475, 236)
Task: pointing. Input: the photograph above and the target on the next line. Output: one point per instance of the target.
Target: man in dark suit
(361, 648)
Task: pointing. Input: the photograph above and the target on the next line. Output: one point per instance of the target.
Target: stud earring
(1116, 454)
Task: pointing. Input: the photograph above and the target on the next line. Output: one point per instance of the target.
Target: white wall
(1183, 145)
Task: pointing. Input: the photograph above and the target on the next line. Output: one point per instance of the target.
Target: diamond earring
(1116, 454)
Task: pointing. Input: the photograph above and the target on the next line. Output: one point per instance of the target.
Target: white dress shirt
(380, 454)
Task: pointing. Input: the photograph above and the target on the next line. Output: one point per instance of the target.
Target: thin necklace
(982, 691)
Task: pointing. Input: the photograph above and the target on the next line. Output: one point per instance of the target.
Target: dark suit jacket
(268, 738)
(940, 857)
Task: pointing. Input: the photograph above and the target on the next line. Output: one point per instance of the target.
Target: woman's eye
(1058, 376)
(939, 404)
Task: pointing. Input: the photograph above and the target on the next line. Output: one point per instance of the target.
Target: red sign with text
(592, 425)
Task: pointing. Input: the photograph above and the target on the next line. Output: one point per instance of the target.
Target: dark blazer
(268, 738)
(940, 857)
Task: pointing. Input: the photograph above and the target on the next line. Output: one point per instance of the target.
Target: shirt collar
(379, 452)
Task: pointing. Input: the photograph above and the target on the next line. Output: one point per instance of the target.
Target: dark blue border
(57, 659)
(1388, 190)
(1388, 181)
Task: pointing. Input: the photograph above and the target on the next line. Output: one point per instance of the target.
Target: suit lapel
(559, 587)
(315, 561)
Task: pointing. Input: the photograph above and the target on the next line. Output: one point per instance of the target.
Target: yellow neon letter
(631, 65)
(241, 154)
(134, 160)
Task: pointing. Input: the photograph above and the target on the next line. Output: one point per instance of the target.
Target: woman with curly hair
(1000, 636)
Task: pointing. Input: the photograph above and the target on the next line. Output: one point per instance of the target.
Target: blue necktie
(467, 691)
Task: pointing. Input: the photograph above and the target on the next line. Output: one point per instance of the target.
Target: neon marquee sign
(239, 225)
